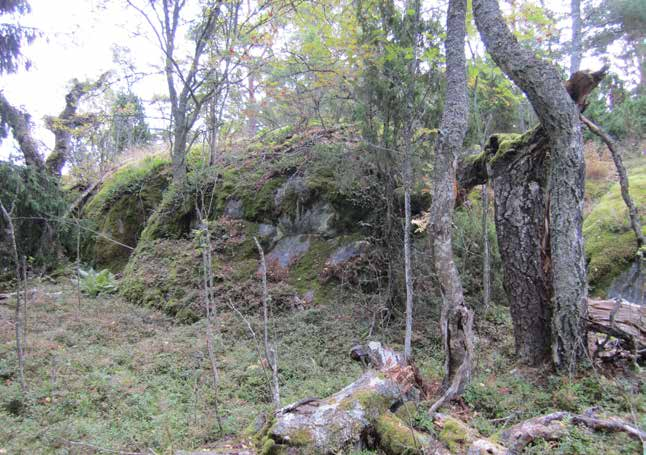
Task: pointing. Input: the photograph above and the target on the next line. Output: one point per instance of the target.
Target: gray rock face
(267, 231)
(347, 252)
(233, 209)
(296, 186)
(288, 250)
(631, 285)
(318, 219)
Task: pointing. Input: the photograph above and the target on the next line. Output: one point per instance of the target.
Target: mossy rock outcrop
(120, 209)
(610, 243)
(304, 198)
(319, 182)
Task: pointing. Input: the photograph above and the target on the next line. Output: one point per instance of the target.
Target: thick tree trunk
(456, 318)
(20, 125)
(519, 181)
(517, 167)
(559, 117)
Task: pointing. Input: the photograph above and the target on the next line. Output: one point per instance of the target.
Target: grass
(129, 378)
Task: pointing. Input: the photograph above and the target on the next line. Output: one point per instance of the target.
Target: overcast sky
(77, 41)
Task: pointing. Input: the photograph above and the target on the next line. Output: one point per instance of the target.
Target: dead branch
(623, 178)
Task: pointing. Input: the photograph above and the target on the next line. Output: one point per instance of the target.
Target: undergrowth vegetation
(129, 378)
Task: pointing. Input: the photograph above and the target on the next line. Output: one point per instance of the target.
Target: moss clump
(120, 210)
(128, 179)
(165, 274)
(610, 243)
(395, 437)
(372, 402)
(455, 434)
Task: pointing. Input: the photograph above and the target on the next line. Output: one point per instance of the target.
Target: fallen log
(620, 319)
(553, 427)
(361, 415)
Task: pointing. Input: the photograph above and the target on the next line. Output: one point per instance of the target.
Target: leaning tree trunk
(559, 117)
(67, 121)
(20, 124)
(456, 319)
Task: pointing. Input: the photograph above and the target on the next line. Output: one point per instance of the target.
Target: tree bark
(559, 117)
(519, 181)
(20, 124)
(456, 318)
(576, 49)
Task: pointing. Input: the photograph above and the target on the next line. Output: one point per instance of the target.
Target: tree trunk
(63, 126)
(456, 318)
(559, 117)
(576, 49)
(519, 180)
(178, 151)
(19, 122)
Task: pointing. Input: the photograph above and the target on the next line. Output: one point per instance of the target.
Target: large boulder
(610, 243)
(118, 212)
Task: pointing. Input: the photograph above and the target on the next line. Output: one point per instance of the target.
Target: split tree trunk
(517, 168)
(519, 181)
(559, 117)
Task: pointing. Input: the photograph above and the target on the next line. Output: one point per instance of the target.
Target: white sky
(77, 42)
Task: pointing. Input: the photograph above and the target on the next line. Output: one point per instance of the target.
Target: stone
(287, 251)
(233, 209)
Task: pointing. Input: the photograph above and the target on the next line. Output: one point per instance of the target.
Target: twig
(270, 352)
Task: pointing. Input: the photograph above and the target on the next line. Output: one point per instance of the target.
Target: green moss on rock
(165, 274)
(395, 437)
(455, 435)
(610, 243)
(120, 210)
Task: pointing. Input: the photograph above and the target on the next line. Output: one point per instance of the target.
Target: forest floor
(110, 377)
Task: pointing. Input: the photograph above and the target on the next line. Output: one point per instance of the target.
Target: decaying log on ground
(620, 319)
(554, 426)
(549, 427)
(361, 415)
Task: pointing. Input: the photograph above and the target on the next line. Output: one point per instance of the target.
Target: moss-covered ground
(126, 377)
